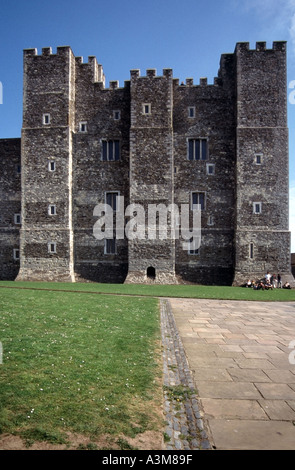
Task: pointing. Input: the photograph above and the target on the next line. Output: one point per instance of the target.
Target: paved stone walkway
(240, 361)
(184, 430)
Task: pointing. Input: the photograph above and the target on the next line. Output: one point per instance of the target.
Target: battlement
(260, 46)
(47, 51)
(151, 73)
(203, 82)
(65, 52)
(168, 73)
(98, 75)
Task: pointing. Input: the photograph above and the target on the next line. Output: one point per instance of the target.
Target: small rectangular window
(197, 149)
(191, 111)
(198, 198)
(17, 219)
(251, 251)
(52, 209)
(117, 115)
(194, 251)
(110, 150)
(16, 254)
(51, 247)
(210, 167)
(257, 207)
(83, 126)
(110, 246)
(146, 108)
(46, 118)
(258, 158)
(51, 166)
(18, 169)
(210, 220)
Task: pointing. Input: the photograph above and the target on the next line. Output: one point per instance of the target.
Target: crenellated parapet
(168, 73)
(261, 46)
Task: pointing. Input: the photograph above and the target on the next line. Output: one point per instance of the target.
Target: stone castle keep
(154, 141)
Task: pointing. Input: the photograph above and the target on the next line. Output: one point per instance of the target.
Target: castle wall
(46, 235)
(10, 207)
(151, 172)
(153, 141)
(262, 234)
(213, 175)
(107, 114)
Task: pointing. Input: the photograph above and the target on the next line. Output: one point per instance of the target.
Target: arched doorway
(151, 272)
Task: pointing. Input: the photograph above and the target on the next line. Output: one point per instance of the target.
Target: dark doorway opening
(151, 273)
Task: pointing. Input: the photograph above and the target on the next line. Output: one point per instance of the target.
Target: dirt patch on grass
(149, 440)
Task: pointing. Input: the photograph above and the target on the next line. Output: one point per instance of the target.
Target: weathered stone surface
(10, 206)
(153, 141)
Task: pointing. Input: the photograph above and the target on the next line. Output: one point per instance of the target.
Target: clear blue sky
(186, 35)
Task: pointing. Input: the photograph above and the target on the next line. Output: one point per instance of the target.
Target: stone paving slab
(252, 434)
(238, 356)
(184, 429)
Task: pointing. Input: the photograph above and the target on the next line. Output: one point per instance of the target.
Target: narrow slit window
(51, 247)
(117, 115)
(46, 118)
(83, 127)
(52, 209)
(258, 158)
(17, 219)
(210, 220)
(257, 207)
(191, 111)
(51, 166)
(146, 108)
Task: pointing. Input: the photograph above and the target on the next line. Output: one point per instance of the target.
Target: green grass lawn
(79, 363)
(78, 360)
(191, 291)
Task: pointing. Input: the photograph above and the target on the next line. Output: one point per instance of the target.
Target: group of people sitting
(270, 281)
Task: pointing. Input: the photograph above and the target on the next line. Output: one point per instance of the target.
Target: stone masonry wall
(10, 207)
(151, 171)
(46, 234)
(107, 114)
(262, 234)
(212, 119)
(153, 141)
